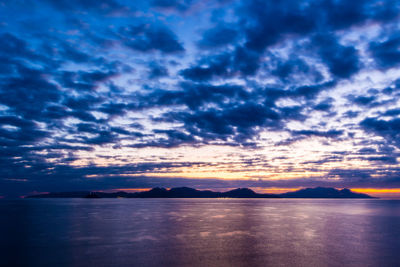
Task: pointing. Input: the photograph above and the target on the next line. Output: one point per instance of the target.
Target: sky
(211, 94)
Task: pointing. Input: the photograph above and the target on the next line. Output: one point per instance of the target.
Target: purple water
(200, 232)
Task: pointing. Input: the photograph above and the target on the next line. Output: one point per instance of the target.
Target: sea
(200, 232)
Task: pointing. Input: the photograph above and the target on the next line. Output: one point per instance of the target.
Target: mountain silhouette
(323, 192)
(187, 192)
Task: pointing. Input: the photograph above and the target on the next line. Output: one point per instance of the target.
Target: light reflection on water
(200, 232)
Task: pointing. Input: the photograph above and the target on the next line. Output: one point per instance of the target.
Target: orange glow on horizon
(132, 189)
(377, 192)
(274, 190)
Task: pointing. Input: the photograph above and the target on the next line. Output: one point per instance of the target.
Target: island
(186, 192)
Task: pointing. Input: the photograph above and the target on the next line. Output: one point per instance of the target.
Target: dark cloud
(351, 114)
(173, 138)
(246, 61)
(309, 91)
(238, 122)
(179, 5)
(351, 174)
(30, 87)
(209, 68)
(392, 112)
(150, 37)
(386, 53)
(286, 69)
(12, 46)
(195, 95)
(74, 54)
(389, 129)
(218, 36)
(102, 137)
(342, 61)
(384, 159)
(83, 80)
(330, 133)
(113, 108)
(83, 102)
(103, 7)
(325, 105)
(367, 150)
(268, 22)
(327, 159)
(241, 62)
(25, 131)
(362, 100)
(292, 113)
(156, 70)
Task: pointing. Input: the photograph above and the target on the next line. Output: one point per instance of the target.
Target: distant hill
(186, 192)
(177, 192)
(323, 192)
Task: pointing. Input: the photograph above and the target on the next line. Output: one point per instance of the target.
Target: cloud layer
(117, 94)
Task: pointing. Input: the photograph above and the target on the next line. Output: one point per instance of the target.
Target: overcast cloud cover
(98, 95)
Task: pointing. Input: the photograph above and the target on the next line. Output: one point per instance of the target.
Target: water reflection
(200, 232)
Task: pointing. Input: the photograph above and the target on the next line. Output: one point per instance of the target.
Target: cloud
(330, 133)
(362, 100)
(156, 70)
(388, 129)
(28, 87)
(392, 112)
(179, 5)
(325, 105)
(386, 53)
(286, 69)
(246, 61)
(384, 159)
(218, 36)
(310, 91)
(351, 174)
(25, 131)
(236, 122)
(268, 22)
(94, 80)
(150, 37)
(105, 7)
(83, 80)
(208, 68)
(240, 62)
(342, 61)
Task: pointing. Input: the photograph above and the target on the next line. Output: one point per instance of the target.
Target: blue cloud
(147, 38)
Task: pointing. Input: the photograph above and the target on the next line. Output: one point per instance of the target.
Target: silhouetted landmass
(324, 192)
(186, 192)
(92, 195)
(178, 192)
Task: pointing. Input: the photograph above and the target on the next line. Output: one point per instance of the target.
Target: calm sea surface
(199, 232)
